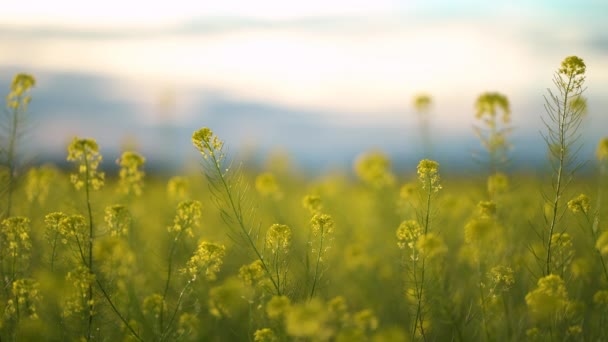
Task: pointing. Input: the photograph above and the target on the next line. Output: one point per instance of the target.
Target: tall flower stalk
(228, 189)
(17, 103)
(423, 245)
(562, 123)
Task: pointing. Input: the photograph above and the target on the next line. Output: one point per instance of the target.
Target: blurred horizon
(321, 82)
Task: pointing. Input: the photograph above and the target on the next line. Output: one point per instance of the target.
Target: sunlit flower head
(207, 259)
(85, 153)
(208, 144)
(428, 173)
(278, 238)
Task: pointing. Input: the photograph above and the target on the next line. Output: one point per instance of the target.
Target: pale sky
(344, 57)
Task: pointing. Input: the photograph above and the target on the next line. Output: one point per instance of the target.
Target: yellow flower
(422, 103)
(277, 306)
(428, 173)
(322, 224)
(208, 258)
(431, 245)
(374, 169)
(252, 273)
(313, 203)
(602, 243)
(118, 220)
(602, 149)
(488, 105)
(85, 153)
(549, 299)
(498, 183)
(264, 335)
(408, 233)
(187, 217)
(17, 98)
(266, 184)
(131, 175)
(580, 204)
(208, 144)
(177, 188)
(278, 238)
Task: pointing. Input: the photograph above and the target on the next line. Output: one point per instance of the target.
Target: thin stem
(239, 217)
(314, 282)
(558, 187)
(91, 237)
(120, 316)
(169, 271)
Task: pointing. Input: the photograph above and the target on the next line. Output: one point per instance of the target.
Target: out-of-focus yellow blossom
(18, 98)
(81, 279)
(277, 306)
(600, 299)
(15, 238)
(498, 183)
(266, 184)
(278, 238)
(312, 203)
(431, 245)
(38, 183)
(153, 305)
(188, 325)
(118, 220)
(264, 335)
(229, 299)
(207, 258)
(488, 104)
(131, 175)
(25, 298)
(486, 208)
(422, 103)
(307, 320)
(602, 243)
(251, 274)
(374, 169)
(549, 299)
(322, 225)
(501, 279)
(602, 149)
(178, 188)
(408, 233)
(580, 204)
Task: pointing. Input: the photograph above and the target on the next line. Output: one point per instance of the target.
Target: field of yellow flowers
(236, 254)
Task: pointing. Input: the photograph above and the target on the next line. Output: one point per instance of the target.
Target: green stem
(558, 187)
(91, 238)
(239, 217)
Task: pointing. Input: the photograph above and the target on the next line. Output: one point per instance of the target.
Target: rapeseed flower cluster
(207, 258)
(580, 204)
(131, 175)
(549, 300)
(178, 188)
(374, 169)
(38, 183)
(428, 174)
(19, 98)
(208, 144)
(267, 186)
(187, 217)
(118, 219)
(85, 153)
(278, 238)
